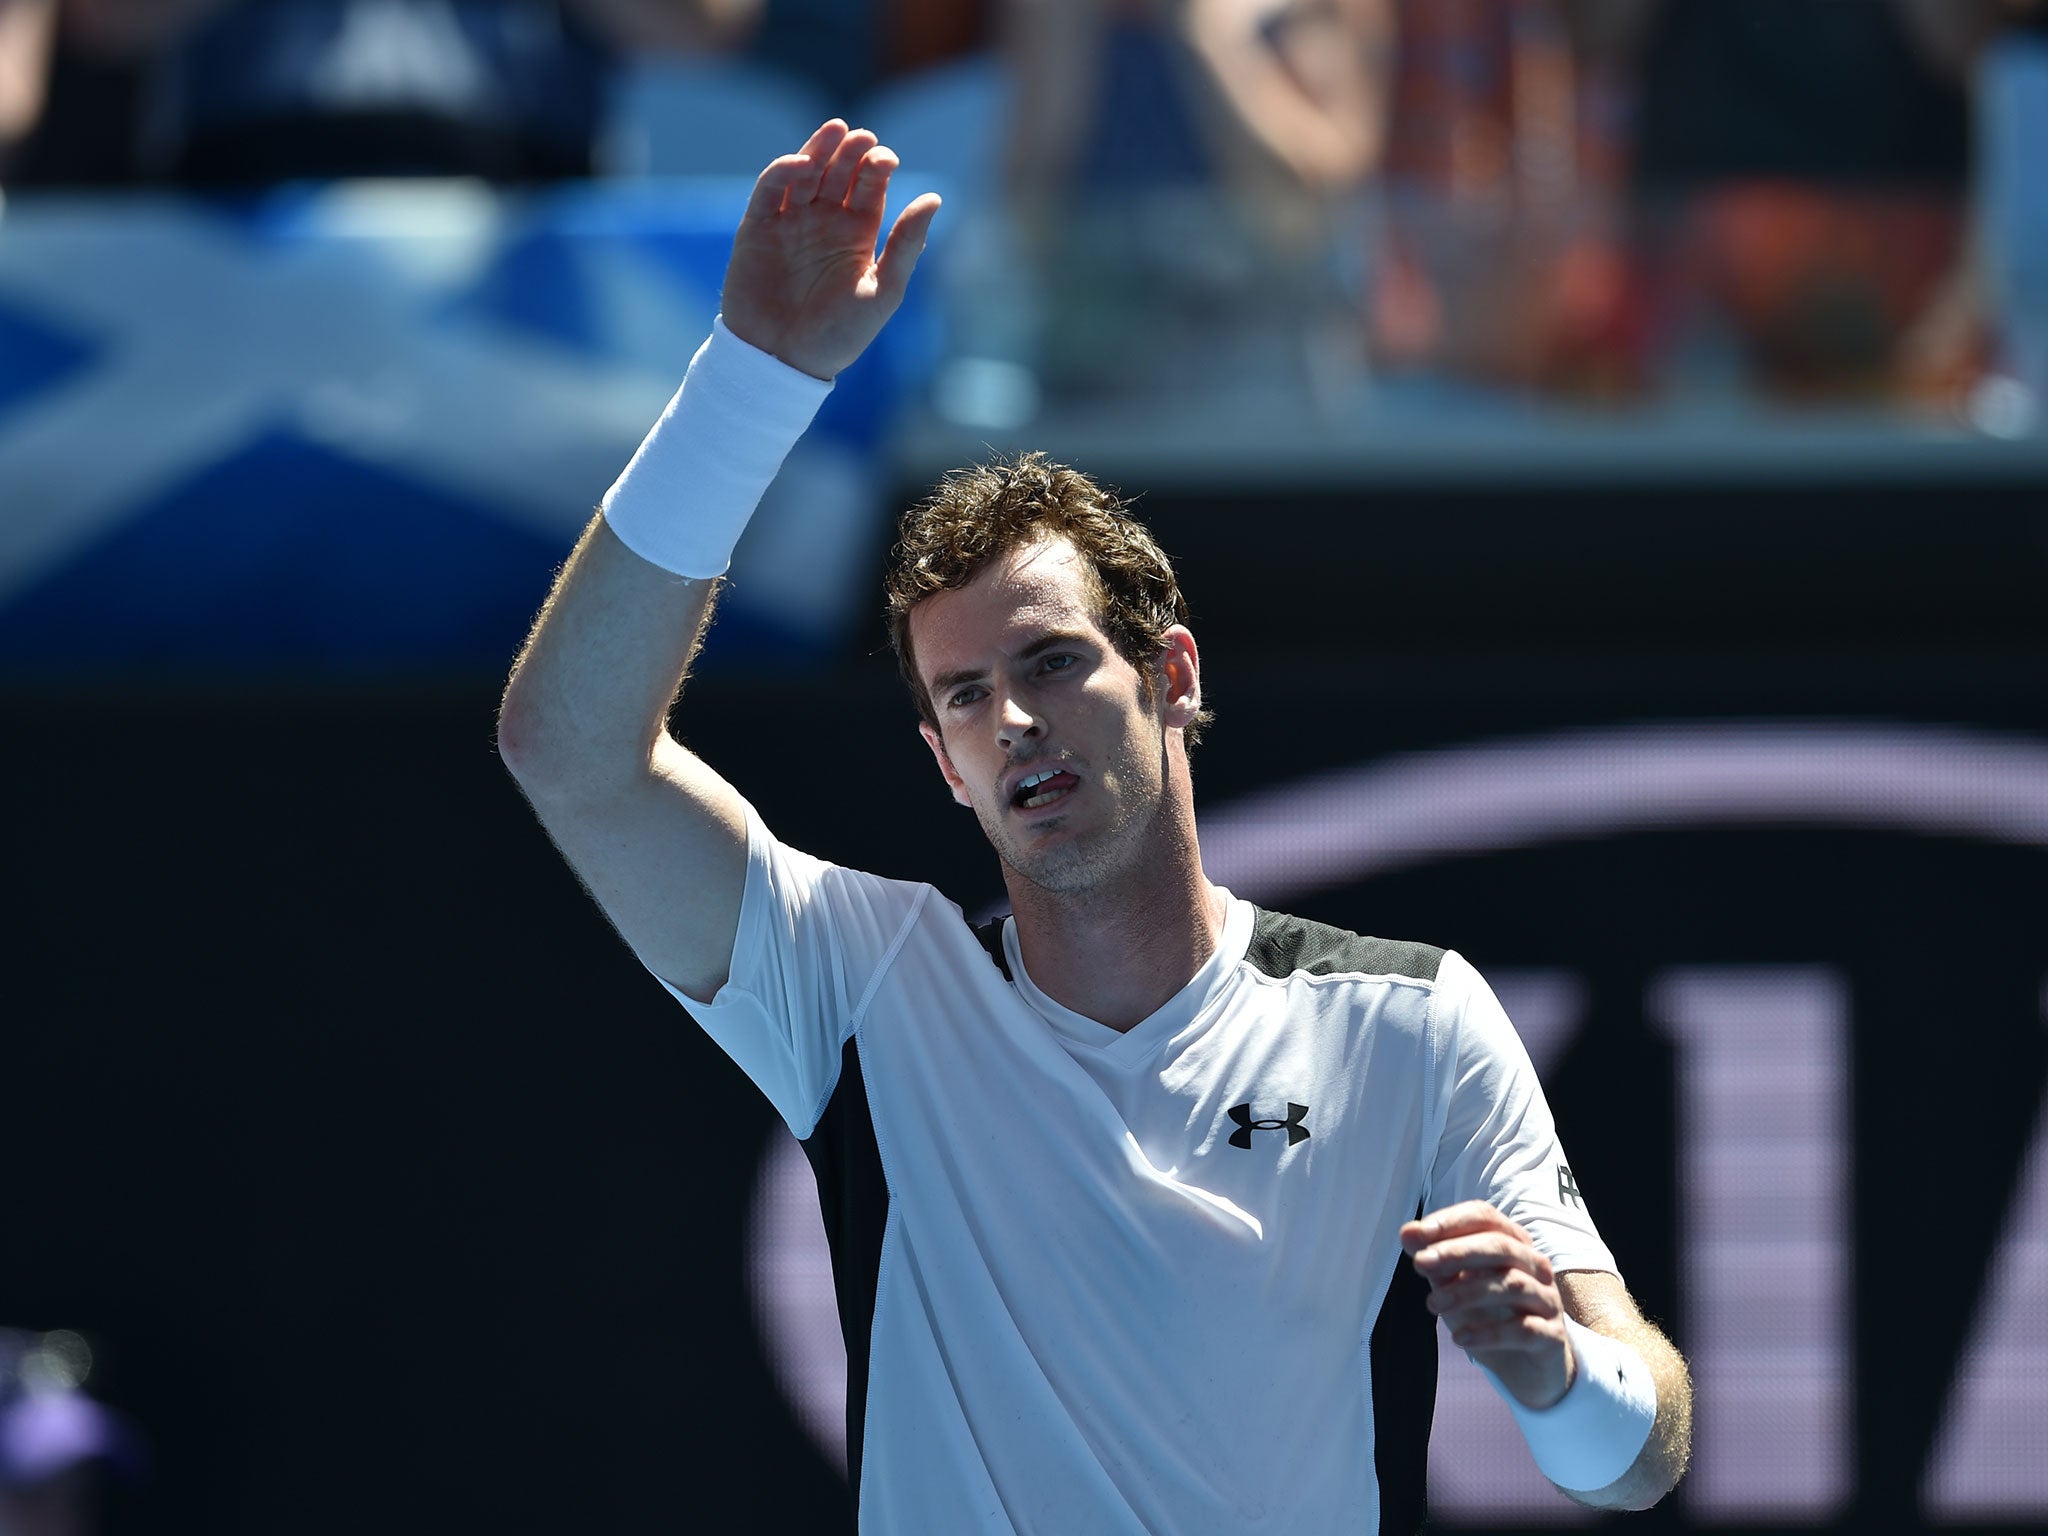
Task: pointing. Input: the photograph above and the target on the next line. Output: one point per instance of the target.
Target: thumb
(905, 244)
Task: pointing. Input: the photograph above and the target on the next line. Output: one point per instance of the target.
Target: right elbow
(556, 760)
(514, 746)
(524, 743)
(517, 746)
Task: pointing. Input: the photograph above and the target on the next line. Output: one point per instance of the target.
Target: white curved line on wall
(1415, 809)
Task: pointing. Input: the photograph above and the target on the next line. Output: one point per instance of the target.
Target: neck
(1118, 951)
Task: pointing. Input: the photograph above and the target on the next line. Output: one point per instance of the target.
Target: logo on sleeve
(1568, 1188)
(1242, 1136)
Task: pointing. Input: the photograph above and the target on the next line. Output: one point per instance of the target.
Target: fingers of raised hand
(824, 140)
(906, 243)
(870, 188)
(794, 178)
(775, 183)
(845, 162)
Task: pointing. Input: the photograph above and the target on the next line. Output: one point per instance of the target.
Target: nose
(1014, 723)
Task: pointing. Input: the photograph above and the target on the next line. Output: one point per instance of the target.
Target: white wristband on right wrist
(684, 499)
(1593, 1434)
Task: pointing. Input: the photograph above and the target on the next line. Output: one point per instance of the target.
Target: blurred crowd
(1818, 199)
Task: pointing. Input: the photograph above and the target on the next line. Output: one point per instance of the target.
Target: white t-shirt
(1097, 1282)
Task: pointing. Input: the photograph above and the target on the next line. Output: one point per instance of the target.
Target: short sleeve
(814, 939)
(1499, 1142)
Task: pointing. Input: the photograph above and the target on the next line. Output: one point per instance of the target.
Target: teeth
(1026, 795)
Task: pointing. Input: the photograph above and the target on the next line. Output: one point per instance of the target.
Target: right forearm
(590, 693)
(659, 838)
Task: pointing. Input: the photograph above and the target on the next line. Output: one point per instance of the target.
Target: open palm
(805, 283)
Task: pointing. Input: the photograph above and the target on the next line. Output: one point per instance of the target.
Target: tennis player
(1117, 1187)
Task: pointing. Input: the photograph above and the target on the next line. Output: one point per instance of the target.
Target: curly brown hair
(978, 514)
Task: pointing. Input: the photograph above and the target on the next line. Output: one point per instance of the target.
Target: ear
(953, 780)
(1180, 678)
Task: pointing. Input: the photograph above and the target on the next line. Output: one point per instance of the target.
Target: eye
(963, 698)
(1060, 663)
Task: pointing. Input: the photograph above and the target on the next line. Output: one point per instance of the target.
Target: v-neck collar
(1164, 1022)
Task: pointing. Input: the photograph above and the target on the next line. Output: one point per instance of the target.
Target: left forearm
(1662, 1460)
(1569, 1351)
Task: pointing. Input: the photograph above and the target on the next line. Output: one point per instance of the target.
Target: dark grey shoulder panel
(990, 936)
(1283, 944)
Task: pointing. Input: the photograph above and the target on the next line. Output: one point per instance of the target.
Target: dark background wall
(392, 1192)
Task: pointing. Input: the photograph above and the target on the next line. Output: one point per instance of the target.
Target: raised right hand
(804, 283)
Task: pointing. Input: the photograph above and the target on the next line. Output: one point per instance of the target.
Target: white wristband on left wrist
(1593, 1434)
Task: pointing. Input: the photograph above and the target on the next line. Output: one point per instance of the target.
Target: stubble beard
(1075, 865)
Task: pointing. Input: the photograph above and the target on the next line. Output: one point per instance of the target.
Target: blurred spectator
(251, 91)
(1834, 92)
(1802, 169)
(1710, 195)
(1259, 94)
(1179, 171)
(54, 1440)
(1500, 255)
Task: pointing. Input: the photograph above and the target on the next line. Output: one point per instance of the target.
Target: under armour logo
(1242, 1136)
(1568, 1188)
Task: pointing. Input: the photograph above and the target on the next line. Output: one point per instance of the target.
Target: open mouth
(1043, 788)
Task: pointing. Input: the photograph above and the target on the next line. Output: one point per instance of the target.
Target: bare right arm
(660, 839)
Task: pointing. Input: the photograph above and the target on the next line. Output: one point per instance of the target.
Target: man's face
(1025, 683)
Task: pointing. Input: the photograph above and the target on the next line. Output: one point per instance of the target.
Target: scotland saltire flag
(353, 429)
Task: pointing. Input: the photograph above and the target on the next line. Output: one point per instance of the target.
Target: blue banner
(352, 429)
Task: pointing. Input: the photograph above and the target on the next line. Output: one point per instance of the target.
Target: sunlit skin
(1050, 691)
(1113, 912)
